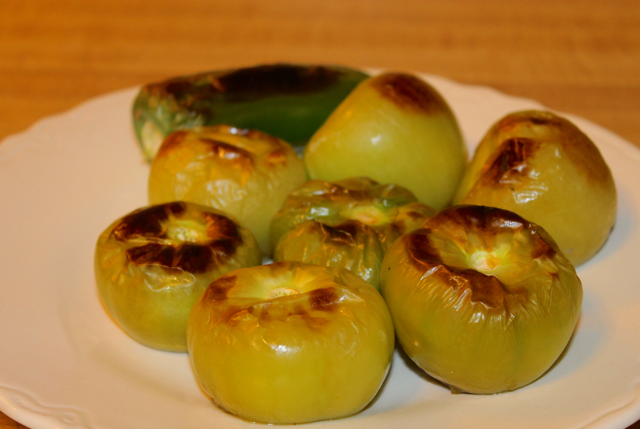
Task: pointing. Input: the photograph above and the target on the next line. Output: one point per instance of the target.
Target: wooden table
(581, 58)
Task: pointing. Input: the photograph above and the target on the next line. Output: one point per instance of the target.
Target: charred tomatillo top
(289, 101)
(349, 224)
(290, 342)
(245, 173)
(152, 264)
(481, 299)
(393, 128)
(544, 168)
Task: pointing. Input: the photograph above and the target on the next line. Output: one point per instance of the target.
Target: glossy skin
(291, 343)
(544, 168)
(393, 128)
(288, 101)
(350, 224)
(481, 299)
(245, 173)
(153, 264)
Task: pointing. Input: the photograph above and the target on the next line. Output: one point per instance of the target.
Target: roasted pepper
(287, 101)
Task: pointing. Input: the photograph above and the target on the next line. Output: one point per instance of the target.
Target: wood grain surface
(577, 57)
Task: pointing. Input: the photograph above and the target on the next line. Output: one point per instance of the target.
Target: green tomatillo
(541, 166)
(393, 128)
(481, 299)
(154, 263)
(245, 173)
(350, 224)
(290, 343)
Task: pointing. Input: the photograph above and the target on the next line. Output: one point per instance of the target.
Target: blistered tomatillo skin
(393, 128)
(152, 264)
(245, 173)
(350, 224)
(290, 342)
(481, 299)
(544, 168)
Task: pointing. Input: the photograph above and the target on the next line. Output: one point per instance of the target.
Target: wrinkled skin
(290, 342)
(350, 224)
(481, 299)
(544, 168)
(393, 128)
(285, 100)
(245, 173)
(154, 263)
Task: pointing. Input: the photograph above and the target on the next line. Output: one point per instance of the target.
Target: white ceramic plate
(65, 364)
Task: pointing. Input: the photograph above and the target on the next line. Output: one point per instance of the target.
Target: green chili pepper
(287, 101)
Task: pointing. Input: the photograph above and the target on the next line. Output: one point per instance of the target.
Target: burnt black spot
(189, 92)
(193, 258)
(171, 142)
(484, 220)
(256, 82)
(227, 151)
(415, 215)
(420, 248)
(223, 234)
(323, 299)
(345, 233)
(187, 257)
(152, 253)
(277, 157)
(221, 227)
(407, 91)
(510, 161)
(224, 247)
(145, 222)
(397, 229)
(491, 221)
(486, 289)
(539, 120)
(244, 84)
(177, 88)
(176, 208)
(218, 289)
(460, 221)
(542, 248)
(563, 134)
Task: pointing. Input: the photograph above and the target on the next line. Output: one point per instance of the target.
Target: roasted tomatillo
(544, 168)
(481, 299)
(152, 264)
(245, 173)
(290, 343)
(350, 224)
(393, 128)
(288, 101)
